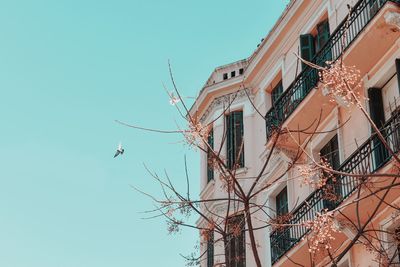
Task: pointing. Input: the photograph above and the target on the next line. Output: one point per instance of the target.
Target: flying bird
(120, 150)
(173, 100)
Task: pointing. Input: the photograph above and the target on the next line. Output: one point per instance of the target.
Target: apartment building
(244, 101)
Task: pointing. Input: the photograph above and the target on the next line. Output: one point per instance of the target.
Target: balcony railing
(368, 158)
(340, 40)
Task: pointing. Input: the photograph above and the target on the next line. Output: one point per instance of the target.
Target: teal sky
(68, 69)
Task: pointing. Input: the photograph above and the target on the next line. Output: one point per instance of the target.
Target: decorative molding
(392, 19)
(224, 100)
(289, 153)
(279, 164)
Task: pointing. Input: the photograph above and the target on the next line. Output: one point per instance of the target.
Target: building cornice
(224, 101)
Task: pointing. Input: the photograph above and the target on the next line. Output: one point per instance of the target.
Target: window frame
(233, 141)
(210, 169)
(210, 249)
(282, 202)
(236, 255)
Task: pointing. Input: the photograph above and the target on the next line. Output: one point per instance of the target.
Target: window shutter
(229, 140)
(331, 153)
(376, 109)
(239, 138)
(276, 93)
(323, 34)
(375, 5)
(377, 114)
(307, 49)
(210, 249)
(234, 137)
(210, 169)
(322, 38)
(236, 244)
(282, 203)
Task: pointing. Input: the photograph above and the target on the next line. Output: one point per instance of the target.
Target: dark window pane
(210, 249)
(282, 203)
(234, 126)
(330, 152)
(307, 48)
(236, 246)
(323, 34)
(322, 38)
(210, 169)
(276, 92)
(333, 189)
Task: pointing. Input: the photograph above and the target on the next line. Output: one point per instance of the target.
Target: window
(310, 45)
(307, 48)
(241, 71)
(233, 74)
(396, 238)
(236, 246)
(210, 249)
(392, 241)
(330, 152)
(322, 36)
(375, 5)
(377, 113)
(210, 168)
(282, 207)
(225, 76)
(275, 94)
(234, 139)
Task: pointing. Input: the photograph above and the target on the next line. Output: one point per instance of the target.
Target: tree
(241, 202)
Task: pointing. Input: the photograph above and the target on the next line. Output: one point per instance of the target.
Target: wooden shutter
(323, 34)
(239, 137)
(322, 38)
(210, 249)
(229, 140)
(376, 109)
(377, 113)
(331, 153)
(282, 203)
(307, 48)
(276, 93)
(210, 169)
(236, 247)
(375, 5)
(234, 122)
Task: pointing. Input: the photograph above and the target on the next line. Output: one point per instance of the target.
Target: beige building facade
(287, 92)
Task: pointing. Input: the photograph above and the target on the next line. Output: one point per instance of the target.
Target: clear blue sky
(68, 68)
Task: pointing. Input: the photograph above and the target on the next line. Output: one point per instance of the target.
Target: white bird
(120, 150)
(173, 100)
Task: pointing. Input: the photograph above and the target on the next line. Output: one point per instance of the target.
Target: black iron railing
(368, 158)
(340, 40)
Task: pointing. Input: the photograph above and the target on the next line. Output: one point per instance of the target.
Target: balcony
(361, 16)
(368, 158)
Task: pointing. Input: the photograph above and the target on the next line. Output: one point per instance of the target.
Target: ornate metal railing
(368, 158)
(340, 40)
